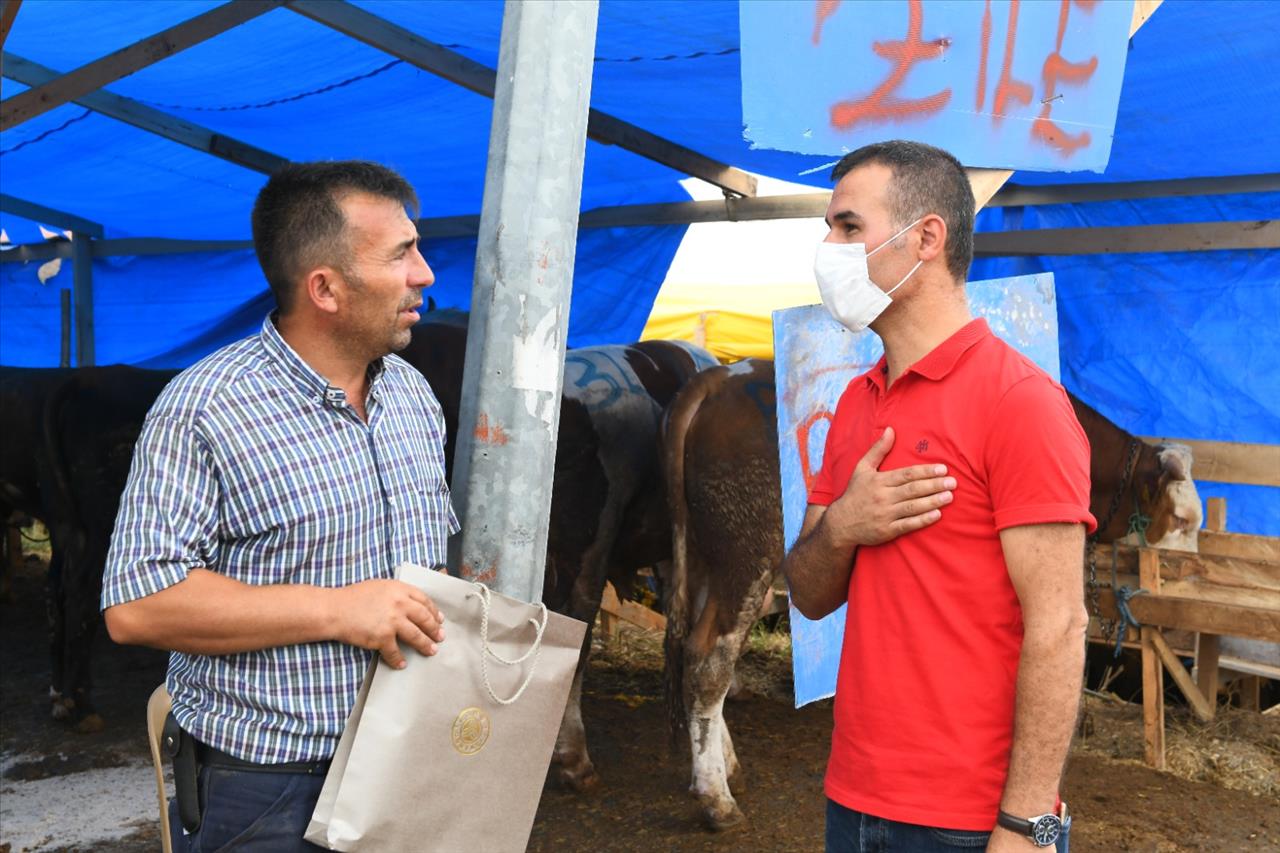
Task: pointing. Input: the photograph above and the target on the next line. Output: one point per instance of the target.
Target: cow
(69, 442)
(23, 392)
(1141, 492)
(720, 452)
(90, 424)
(608, 508)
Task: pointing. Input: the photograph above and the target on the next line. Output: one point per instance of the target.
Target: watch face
(1046, 830)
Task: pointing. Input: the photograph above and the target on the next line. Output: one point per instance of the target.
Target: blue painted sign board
(815, 359)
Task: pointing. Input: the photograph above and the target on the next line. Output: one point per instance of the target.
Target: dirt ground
(58, 791)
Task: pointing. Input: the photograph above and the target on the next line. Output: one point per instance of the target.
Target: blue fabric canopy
(1173, 344)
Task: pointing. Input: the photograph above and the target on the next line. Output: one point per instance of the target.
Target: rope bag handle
(487, 652)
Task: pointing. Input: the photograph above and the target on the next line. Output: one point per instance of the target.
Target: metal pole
(82, 282)
(510, 413)
(64, 303)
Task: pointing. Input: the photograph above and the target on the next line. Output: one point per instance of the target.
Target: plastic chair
(157, 710)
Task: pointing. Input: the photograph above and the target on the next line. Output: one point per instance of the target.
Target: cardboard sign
(1000, 83)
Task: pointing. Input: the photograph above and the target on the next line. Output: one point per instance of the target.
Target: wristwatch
(1043, 830)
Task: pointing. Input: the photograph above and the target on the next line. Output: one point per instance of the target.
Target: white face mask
(846, 286)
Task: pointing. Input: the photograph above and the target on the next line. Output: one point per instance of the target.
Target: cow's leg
(733, 770)
(82, 588)
(55, 615)
(706, 684)
(573, 765)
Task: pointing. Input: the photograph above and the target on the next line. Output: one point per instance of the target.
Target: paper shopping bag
(450, 753)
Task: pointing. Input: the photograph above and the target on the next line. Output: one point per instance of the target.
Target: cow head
(1169, 498)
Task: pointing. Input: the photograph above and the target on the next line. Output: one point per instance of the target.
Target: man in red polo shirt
(950, 515)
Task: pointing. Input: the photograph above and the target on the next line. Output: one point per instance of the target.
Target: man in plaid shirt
(276, 485)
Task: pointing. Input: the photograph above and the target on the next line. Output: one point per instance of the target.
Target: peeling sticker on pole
(535, 353)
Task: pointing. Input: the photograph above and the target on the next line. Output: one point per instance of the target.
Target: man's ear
(933, 237)
(323, 288)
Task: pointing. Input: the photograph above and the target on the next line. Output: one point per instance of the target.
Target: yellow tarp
(732, 321)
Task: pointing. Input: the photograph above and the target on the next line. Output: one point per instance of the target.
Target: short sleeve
(833, 477)
(438, 435)
(1037, 458)
(168, 518)
(824, 490)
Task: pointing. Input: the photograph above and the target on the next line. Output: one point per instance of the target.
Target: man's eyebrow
(844, 216)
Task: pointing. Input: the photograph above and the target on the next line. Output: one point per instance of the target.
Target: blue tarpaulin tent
(1177, 344)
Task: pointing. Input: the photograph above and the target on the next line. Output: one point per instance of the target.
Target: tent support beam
(1181, 237)
(151, 120)
(49, 216)
(456, 68)
(800, 206)
(101, 72)
(82, 296)
(8, 12)
(510, 414)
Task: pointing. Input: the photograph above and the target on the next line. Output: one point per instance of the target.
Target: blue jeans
(849, 831)
(243, 810)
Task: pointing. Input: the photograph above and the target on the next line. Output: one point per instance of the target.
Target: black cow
(91, 423)
(23, 392)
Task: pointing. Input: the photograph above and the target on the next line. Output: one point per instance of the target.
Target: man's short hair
(925, 180)
(298, 222)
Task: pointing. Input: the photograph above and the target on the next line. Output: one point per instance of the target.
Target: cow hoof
(724, 818)
(579, 780)
(91, 725)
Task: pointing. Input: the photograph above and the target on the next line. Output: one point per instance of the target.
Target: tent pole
(510, 411)
(82, 283)
(64, 350)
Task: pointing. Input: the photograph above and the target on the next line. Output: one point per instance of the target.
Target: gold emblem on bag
(470, 731)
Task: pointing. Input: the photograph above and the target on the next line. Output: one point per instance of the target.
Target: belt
(211, 757)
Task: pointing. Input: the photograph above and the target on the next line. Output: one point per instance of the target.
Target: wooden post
(1202, 707)
(1251, 693)
(1207, 644)
(1207, 667)
(1216, 515)
(1152, 671)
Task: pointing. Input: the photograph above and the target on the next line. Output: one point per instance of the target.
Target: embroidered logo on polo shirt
(922, 445)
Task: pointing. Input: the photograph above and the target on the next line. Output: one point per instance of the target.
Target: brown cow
(1139, 489)
(721, 457)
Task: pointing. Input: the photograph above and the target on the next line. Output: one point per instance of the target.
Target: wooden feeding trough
(1230, 589)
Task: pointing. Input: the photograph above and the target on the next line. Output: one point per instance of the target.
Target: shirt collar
(303, 376)
(941, 360)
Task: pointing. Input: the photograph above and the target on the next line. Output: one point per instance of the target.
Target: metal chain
(1110, 626)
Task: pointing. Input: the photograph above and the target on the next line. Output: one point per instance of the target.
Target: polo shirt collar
(301, 375)
(941, 359)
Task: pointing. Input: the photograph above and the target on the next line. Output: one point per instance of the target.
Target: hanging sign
(998, 83)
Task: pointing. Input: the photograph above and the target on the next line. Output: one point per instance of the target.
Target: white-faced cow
(721, 458)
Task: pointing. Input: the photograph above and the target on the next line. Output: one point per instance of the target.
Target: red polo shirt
(925, 695)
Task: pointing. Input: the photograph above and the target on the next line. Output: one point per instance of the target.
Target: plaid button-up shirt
(251, 465)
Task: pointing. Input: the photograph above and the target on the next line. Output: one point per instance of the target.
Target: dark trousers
(250, 811)
(849, 831)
